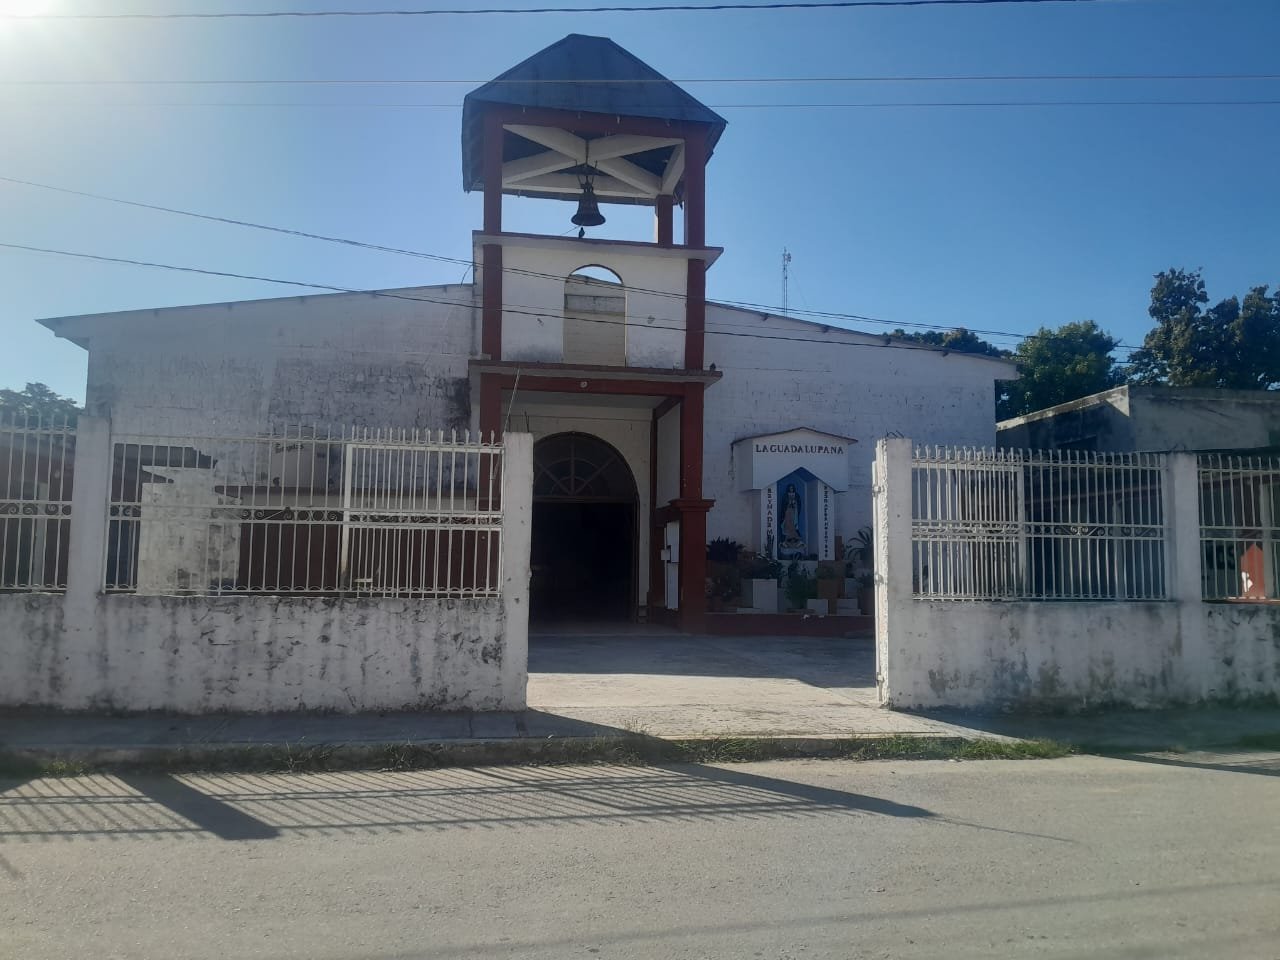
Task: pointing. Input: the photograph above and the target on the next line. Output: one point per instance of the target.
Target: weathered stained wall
(1064, 655)
(230, 369)
(1151, 418)
(1080, 655)
(256, 654)
(1185, 419)
(839, 382)
(1099, 423)
(251, 653)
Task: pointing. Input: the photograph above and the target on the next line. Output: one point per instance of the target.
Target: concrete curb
(304, 756)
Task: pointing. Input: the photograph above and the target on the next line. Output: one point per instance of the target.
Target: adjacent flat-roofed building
(1151, 418)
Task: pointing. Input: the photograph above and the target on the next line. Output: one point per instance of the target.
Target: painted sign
(761, 461)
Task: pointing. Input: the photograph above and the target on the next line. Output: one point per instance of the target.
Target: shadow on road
(204, 810)
(266, 806)
(1262, 764)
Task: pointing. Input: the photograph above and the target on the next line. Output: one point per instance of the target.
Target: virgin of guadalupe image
(790, 523)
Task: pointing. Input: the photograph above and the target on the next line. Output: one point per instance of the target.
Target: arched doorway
(584, 530)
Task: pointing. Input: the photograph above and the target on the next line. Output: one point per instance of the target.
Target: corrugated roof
(598, 77)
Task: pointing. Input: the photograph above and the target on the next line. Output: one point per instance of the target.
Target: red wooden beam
(491, 301)
(695, 315)
(492, 172)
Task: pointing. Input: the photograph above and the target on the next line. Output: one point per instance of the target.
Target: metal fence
(351, 512)
(37, 463)
(1028, 525)
(1239, 515)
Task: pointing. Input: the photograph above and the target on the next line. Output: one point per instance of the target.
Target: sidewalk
(589, 694)
(535, 736)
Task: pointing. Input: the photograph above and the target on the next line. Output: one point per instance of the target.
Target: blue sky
(1000, 218)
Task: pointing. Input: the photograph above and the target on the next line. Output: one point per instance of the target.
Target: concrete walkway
(625, 683)
(673, 685)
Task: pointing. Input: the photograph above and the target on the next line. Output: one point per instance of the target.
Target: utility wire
(519, 309)
(524, 11)
(883, 104)
(938, 78)
(439, 258)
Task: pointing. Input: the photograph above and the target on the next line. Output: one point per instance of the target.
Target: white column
(891, 491)
(89, 513)
(517, 526)
(1182, 566)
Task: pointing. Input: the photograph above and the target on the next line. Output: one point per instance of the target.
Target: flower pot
(761, 595)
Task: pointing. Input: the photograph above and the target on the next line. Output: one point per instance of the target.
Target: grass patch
(628, 750)
(20, 767)
(1259, 741)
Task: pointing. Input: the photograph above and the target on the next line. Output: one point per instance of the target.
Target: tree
(1232, 344)
(1056, 366)
(960, 340)
(37, 401)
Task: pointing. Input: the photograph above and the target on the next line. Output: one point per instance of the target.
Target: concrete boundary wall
(1064, 655)
(257, 654)
(85, 650)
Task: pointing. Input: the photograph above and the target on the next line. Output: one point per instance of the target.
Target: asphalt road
(1081, 857)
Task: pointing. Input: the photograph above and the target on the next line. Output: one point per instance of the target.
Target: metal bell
(588, 214)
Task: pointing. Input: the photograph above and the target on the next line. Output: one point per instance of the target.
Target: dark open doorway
(584, 531)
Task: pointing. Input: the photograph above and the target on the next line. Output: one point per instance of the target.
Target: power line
(440, 258)
(884, 104)
(411, 81)
(519, 309)
(524, 11)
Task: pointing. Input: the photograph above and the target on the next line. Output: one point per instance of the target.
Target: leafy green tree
(1056, 366)
(36, 400)
(960, 340)
(1233, 344)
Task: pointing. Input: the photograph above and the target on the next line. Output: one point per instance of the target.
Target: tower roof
(584, 75)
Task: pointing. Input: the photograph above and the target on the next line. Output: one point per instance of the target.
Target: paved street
(1160, 857)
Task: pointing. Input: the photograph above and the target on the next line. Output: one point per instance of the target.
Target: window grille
(1239, 512)
(37, 465)
(350, 512)
(1023, 525)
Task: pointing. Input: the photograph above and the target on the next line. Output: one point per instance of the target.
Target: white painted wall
(178, 544)
(669, 457)
(654, 322)
(233, 368)
(1080, 655)
(1064, 655)
(256, 654)
(839, 382)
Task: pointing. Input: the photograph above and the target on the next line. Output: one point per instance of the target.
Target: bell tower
(588, 124)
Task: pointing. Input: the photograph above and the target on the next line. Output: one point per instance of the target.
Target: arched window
(595, 317)
(580, 467)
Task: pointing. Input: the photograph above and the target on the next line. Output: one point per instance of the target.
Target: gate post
(90, 493)
(891, 493)
(517, 525)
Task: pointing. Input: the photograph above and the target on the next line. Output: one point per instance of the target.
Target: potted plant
(800, 587)
(724, 582)
(860, 561)
(829, 584)
(760, 582)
